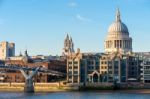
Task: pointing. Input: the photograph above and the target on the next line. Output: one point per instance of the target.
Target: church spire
(70, 39)
(26, 52)
(118, 15)
(67, 36)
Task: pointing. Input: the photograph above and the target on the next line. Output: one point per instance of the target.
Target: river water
(75, 95)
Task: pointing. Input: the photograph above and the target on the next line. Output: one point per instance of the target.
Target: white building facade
(145, 71)
(6, 50)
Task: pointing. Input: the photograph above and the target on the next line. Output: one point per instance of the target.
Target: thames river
(75, 95)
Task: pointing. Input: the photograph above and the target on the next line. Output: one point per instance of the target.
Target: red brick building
(16, 76)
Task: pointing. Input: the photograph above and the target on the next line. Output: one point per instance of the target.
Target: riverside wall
(39, 87)
(60, 86)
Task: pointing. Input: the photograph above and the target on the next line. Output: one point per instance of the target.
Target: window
(97, 63)
(70, 72)
(10, 52)
(116, 72)
(69, 62)
(132, 68)
(109, 67)
(132, 73)
(75, 67)
(111, 78)
(75, 79)
(97, 67)
(75, 62)
(109, 62)
(110, 72)
(132, 63)
(70, 77)
(75, 72)
(70, 67)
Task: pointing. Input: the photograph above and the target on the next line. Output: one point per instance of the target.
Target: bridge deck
(42, 69)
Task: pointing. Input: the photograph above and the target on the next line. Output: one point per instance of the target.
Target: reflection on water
(74, 95)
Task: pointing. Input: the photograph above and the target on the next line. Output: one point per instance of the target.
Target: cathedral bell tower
(68, 46)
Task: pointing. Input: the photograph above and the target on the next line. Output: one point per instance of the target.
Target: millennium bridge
(29, 87)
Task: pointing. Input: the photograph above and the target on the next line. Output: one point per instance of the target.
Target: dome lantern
(118, 15)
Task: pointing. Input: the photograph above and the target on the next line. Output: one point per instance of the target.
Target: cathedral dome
(118, 26)
(118, 39)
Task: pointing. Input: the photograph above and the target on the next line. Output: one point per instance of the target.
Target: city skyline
(41, 26)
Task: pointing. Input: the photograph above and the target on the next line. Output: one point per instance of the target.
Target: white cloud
(72, 4)
(79, 17)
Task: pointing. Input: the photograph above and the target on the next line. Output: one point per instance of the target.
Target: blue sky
(41, 25)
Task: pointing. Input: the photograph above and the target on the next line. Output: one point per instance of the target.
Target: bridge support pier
(29, 87)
